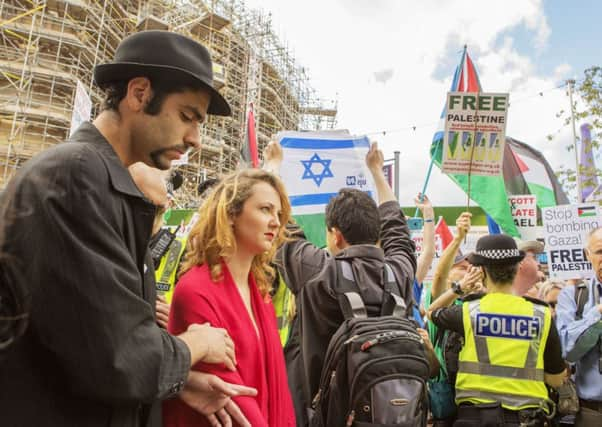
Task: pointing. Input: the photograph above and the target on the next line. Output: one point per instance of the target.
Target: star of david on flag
(309, 172)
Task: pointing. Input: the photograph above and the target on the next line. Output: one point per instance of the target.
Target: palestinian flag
(249, 154)
(585, 211)
(526, 171)
(488, 191)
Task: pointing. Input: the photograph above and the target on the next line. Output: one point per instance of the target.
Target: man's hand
(375, 158)
(463, 224)
(425, 337)
(434, 365)
(211, 396)
(272, 157)
(472, 280)
(210, 345)
(425, 206)
(162, 309)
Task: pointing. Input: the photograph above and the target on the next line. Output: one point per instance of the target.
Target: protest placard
(565, 229)
(475, 132)
(82, 108)
(524, 213)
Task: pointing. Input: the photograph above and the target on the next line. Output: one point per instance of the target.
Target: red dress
(260, 360)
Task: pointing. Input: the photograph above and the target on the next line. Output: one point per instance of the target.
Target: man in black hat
(77, 226)
(511, 346)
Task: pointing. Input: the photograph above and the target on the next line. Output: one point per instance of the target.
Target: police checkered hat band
(496, 249)
(498, 253)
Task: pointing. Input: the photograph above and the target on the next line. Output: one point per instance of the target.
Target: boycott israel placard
(565, 229)
(475, 132)
(524, 213)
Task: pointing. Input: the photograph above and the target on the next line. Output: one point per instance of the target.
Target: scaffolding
(46, 47)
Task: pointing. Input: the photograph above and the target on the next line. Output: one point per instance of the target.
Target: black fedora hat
(165, 54)
(496, 249)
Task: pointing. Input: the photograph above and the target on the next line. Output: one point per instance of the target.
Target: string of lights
(413, 128)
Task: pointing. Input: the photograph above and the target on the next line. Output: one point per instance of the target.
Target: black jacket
(311, 274)
(78, 227)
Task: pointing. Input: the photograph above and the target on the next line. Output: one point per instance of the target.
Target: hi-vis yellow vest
(283, 302)
(165, 275)
(502, 358)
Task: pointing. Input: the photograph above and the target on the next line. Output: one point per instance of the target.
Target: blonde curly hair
(212, 238)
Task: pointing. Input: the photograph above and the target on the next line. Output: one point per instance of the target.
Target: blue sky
(576, 36)
(389, 64)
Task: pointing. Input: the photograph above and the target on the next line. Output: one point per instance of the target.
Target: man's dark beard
(156, 156)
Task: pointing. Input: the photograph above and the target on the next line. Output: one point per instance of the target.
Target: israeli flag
(316, 165)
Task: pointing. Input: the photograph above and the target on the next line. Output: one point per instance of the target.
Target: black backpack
(375, 370)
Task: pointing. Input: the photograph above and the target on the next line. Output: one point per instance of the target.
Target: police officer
(511, 346)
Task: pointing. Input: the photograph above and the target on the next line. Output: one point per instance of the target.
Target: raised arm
(447, 258)
(399, 248)
(375, 161)
(428, 238)
(470, 283)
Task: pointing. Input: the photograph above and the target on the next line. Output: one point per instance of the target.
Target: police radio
(160, 243)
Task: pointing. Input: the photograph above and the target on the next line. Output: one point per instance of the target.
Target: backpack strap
(580, 299)
(393, 304)
(350, 300)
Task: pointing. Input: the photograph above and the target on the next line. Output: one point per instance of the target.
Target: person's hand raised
(375, 158)
(273, 152)
(463, 224)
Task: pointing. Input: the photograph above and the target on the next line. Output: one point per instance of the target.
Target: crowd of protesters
(247, 338)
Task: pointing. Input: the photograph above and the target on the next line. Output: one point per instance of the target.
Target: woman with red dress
(226, 282)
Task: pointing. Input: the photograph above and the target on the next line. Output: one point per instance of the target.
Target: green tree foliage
(587, 102)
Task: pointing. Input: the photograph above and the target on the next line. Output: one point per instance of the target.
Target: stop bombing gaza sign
(565, 229)
(475, 133)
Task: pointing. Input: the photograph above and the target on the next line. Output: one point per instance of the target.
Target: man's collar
(120, 177)
(362, 251)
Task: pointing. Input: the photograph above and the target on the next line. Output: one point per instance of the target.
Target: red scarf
(280, 404)
(197, 299)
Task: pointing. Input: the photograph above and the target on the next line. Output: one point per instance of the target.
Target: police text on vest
(507, 326)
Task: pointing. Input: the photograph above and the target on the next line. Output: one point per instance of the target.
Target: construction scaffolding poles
(46, 47)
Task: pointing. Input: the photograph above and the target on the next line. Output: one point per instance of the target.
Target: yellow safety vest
(502, 357)
(283, 302)
(165, 275)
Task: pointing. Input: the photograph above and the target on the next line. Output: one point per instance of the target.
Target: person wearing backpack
(355, 224)
(511, 346)
(579, 321)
